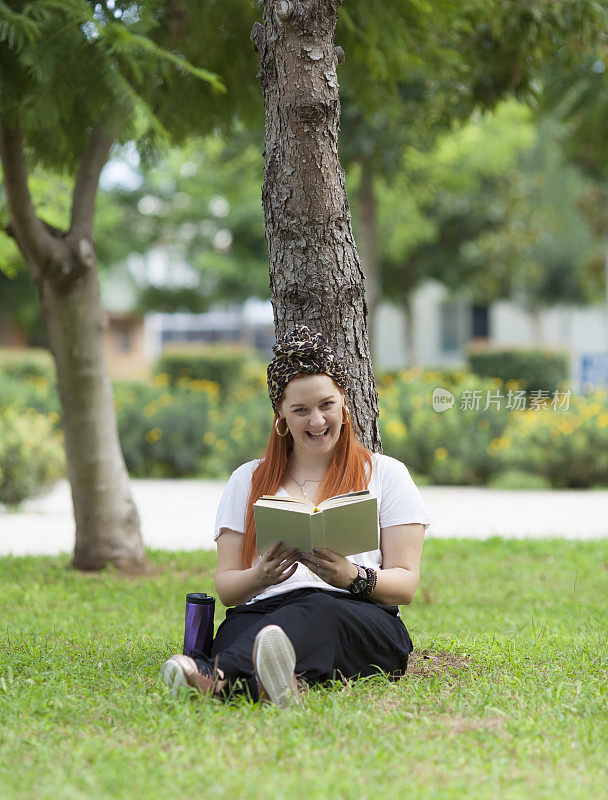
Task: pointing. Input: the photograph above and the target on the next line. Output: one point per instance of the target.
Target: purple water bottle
(198, 633)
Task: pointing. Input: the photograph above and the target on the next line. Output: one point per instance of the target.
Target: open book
(345, 524)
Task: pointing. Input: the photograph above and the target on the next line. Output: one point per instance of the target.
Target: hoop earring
(276, 427)
(347, 420)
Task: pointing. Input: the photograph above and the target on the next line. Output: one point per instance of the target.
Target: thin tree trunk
(537, 325)
(315, 272)
(368, 245)
(410, 333)
(64, 267)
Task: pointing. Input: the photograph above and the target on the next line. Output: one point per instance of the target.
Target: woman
(318, 614)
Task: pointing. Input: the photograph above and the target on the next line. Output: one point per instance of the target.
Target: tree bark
(315, 272)
(369, 248)
(64, 267)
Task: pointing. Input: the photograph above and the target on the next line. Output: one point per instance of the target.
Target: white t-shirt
(399, 503)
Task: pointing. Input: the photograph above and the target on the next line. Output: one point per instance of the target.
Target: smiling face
(312, 407)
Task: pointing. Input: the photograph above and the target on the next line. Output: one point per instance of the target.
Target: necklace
(314, 577)
(302, 485)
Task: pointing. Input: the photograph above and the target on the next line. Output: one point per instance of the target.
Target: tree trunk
(369, 248)
(315, 272)
(64, 268)
(410, 333)
(537, 325)
(107, 522)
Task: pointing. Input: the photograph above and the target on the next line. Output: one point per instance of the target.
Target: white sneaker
(181, 672)
(274, 661)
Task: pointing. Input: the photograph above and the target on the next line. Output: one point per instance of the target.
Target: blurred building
(441, 327)
(435, 335)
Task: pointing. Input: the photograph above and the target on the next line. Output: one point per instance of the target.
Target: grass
(506, 696)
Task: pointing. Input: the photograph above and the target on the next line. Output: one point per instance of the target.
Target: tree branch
(29, 231)
(94, 157)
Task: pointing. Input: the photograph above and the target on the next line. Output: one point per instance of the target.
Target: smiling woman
(321, 614)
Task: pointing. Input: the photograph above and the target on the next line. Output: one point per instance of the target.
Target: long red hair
(348, 471)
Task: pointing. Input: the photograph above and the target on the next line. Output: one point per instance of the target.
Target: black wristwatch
(359, 585)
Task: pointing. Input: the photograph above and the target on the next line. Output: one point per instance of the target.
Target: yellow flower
(153, 435)
(150, 409)
(441, 454)
(221, 445)
(396, 428)
(209, 438)
(54, 417)
(161, 380)
(209, 387)
(602, 420)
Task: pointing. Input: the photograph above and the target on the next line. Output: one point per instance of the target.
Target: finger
(274, 548)
(289, 552)
(322, 552)
(287, 562)
(288, 574)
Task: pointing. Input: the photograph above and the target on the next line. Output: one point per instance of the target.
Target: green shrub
(34, 391)
(519, 479)
(31, 455)
(567, 445)
(534, 369)
(30, 363)
(241, 432)
(165, 432)
(451, 446)
(230, 367)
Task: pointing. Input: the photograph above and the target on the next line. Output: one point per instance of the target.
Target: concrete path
(179, 515)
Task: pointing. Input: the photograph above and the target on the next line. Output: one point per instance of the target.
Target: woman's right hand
(276, 564)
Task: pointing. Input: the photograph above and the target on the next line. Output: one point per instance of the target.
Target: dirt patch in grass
(426, 663)
(463, 725)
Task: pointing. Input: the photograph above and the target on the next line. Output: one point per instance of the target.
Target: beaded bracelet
(372, 577)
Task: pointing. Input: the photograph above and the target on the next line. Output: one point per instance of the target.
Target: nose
(316, 418)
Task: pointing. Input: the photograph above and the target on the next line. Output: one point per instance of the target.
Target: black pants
(334, 636)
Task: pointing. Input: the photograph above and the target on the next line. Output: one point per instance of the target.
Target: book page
(285, 505)
(285, 499)
(341, 499)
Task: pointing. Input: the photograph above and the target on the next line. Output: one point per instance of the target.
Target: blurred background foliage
(471, 136)
(181, 424)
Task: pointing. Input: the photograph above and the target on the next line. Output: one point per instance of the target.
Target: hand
(271, 565)
(330, 567)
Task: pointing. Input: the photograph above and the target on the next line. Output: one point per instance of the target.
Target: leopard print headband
(302, 351)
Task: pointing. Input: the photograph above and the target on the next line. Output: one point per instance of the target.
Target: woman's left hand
(330, 567)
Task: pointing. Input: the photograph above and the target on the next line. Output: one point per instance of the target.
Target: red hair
(346, 472)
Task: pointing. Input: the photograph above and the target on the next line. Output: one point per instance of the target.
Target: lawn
(506, 696)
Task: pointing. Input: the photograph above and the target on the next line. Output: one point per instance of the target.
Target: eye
(297, 410)
(328, 403)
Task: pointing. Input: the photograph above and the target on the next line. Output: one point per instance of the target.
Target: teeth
(317, 435)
